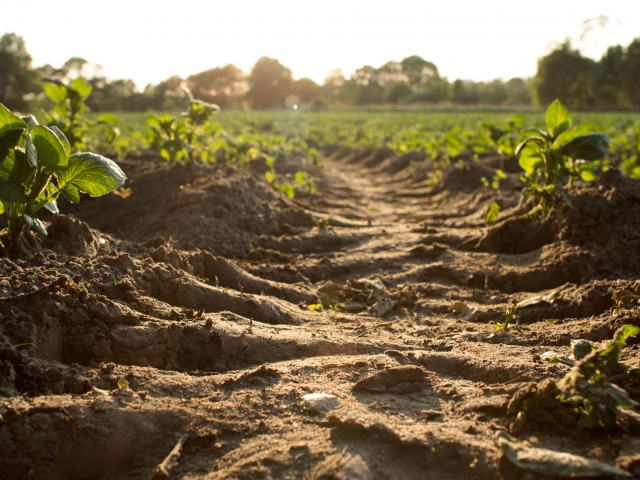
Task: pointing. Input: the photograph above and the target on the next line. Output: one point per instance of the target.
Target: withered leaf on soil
(550, 462)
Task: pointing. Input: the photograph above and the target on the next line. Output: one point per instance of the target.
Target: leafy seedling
(495, 181)
(491, 216)
(583, 397)
(182, 140)
(559, 152)
(70, 105)
(36, 167)
(322, 223)
(509, 317)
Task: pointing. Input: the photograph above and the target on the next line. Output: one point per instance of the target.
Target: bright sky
(471, 39)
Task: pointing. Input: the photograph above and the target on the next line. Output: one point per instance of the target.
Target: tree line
(579, 82)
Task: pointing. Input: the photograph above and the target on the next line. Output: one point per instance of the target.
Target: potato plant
(67, 115)
(557, 154)
(36, 167)
(182, 140)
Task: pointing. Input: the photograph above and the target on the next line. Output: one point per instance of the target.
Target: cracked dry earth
(166, 334)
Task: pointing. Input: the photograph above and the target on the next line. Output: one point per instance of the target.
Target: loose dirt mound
(168, 336)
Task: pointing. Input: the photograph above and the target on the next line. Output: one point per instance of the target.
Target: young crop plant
(67, 114)
(549, 157)
(583, 397)
(179, 141)
(36, 167)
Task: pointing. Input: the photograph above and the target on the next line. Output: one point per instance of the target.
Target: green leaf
(34, 224)
(63, 139)
(14, 173)
(301, 178)
(269, 176)
(51, 153)
(501, 174)
(109, 118)
(557, 118)
(587, 147)
(567, 136)
(625, 332)
(586, 170)
(55, 90)
(91, 173)
(526, 142)
(71, 193)
(32, 152)
(1, 207)
(9, 121)
(492, 214)
(8, 140)
(82, 87)
(530, 159)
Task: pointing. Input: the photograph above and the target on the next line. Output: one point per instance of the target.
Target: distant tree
(390, 74)
(113, 95)
(631, 74)
(464, 92)
(609, 77)
(269, 84)
(17, 78)
(518, 92)
(566, 75)
(166, 95)
(334, 91)
(366, 86)
(305, 89)
(398, 92)
(492, 93)
(224, 86)
(417, 70)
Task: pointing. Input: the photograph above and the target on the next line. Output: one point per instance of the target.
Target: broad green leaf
(526, 142)
(1, 207)
(287, 189)
(55, 91)
(14, 172)
(63, 139)
(301, 178)
(82, 87)
(492, 214)
(71, 193)
(501, 174)
(557, 118)
(51, 153)
(587, 147)
(530, 159)
(9, 139)
(108, 118)
(92, 174)
(269, 176)
(535, 132)
(586, 170)
(625, 332)
(34, 224)
(32, 152)
(9, 121)
(567, 136)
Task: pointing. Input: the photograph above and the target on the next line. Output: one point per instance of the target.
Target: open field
(202, 324)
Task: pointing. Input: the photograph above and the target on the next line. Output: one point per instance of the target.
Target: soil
(164, 332)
